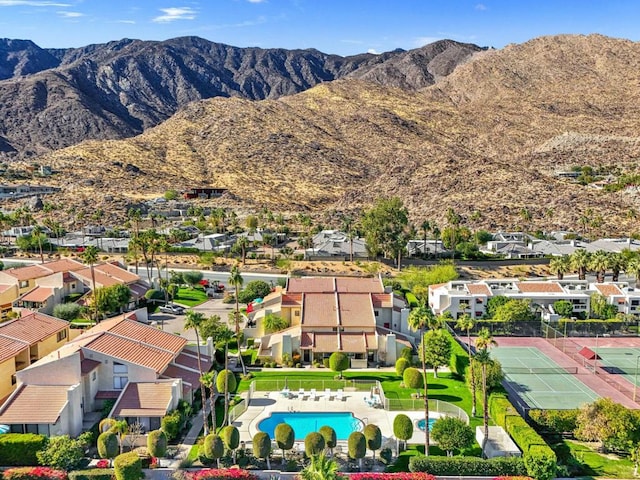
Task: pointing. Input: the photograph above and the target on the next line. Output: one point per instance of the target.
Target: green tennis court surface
(621, 361)
(549, 390)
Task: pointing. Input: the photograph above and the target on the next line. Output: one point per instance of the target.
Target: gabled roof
(44, 269)
(320, 310)
(32, 327)
(149, 335)
(540, 287)
(10, 347)
(35, 404)
(131, 351)
(38, 295)
(188, 360)
(356, 310)
(311, 285)
(479, 289)
(608, 289)
(359, 285)
(151, 399)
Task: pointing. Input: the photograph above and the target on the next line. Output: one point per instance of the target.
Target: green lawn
(191, 297)
(595, 464)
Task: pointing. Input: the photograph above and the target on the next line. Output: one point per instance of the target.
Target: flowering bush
(154, 462)
(103, 463)
(222, 474)
(34, 473)
(392, 476)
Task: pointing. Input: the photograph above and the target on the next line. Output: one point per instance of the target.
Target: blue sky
(343, 27)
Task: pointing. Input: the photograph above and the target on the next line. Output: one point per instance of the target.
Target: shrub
(325, 362)
(128, 466)
(468, 466)
(34, 473)
(412, 300)
(262, 445)
(313, 444)
(412, 378)
(231, 437)
(213, 447)
(67, 311)
(357, 445)
(222, 474)
(171, 424)
(157, 443)
(402, 427)
(407, 353)
(99, 473)
(63, 453)
(541, 464)
(232, 383)
(20, 448)
(254, 289)
(329, 435)
(106, 423)
(338, 362)
(401, 365)
(108, 446)
(391, 476)
(373, 437)
(451, 433)
(555, 421)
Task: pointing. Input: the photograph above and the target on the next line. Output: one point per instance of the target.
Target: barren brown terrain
(486, 141)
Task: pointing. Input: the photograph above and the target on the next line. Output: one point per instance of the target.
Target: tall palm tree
(37, 233)
(243, 244)
(90, 256)
(633, 267)
(599, 263)
(580, 262)
(225, 335)
(465, 322)
(193, 320)
(320, 468)
(235, 278)
(421, 318)
(208, 379)
(483, 343)
(425, 227)
(560, 265)
(436, 236)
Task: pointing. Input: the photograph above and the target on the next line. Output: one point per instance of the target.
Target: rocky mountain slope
(485, 141)
(121, 88)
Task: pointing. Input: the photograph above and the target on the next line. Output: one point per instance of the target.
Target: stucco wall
(7, 368)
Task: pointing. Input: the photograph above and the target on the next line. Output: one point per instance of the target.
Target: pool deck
(264, 403)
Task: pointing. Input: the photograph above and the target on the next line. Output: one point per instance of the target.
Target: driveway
(175, 323)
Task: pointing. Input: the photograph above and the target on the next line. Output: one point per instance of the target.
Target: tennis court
(539, 381)
(620, 361)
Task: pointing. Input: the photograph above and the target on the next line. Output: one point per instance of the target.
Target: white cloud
(257, 1)
(31, 3)
(175, 13)
(422, 41)
(480, 7)
(70, 14)
(132, 22)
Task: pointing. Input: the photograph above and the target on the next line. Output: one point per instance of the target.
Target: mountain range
(447, 126)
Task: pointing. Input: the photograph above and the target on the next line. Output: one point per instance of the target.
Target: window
(14, 380)
(376, 313)
(62, 335)
(119, 368)
(296, 313)
(119, 382)
(24, 283)
(73, 286)
(93, 375)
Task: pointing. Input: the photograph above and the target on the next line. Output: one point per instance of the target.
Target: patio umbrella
(4, 429)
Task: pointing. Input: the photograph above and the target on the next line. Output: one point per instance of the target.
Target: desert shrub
(20, 448)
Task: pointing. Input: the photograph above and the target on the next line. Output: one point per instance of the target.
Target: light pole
(635, 380)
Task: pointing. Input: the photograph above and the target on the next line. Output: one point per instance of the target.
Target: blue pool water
(344, 423)
(431, 422)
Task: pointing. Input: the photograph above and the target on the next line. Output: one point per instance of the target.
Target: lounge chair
(339, 395)
(327, 393)
(312, 395)
(301, 394)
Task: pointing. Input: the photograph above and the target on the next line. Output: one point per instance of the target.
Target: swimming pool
(420, 423)
(344, 423)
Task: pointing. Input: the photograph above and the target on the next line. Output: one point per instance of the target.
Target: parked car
(171, 308)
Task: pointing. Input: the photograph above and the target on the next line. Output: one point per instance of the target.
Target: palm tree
(320, 468)
(208, 380)
(617, 264)
(580, 262)
(465, 322)
(37, 233)
(90, 256)
(425, 226)
(420, 319)
(633, 266)
(242, 243)
(559, 266)
(193, 320)
(235, 278)
(436, 235)
(599, 263)
(225, 335)
(483, 343)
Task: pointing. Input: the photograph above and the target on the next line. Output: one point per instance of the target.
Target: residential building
(146, 372)
(24, 341)
(357, 316)
(336, 245)
(418, 248)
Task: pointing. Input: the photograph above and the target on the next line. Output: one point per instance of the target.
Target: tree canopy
(385, 227)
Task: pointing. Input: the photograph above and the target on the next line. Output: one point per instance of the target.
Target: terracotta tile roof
(539, 287)
(63, 265)
(320, 310)
(187, 375)
(35, 404)
(38, 294)
(32, 327)
(325, 342)
(185, 359)
(107, 394)
(353, 342)
(291, 299)
(10, 347)
(356, 310)
(382, 300)
(436, 285)
(608, 289)
(4, 288)
(87, 366)
(359, 285)
(371, 341)
(102, 280)
(149, 335)
(131, 351)
(311, 285)
(118, 272)
(479, 289)
(28, 273)
(151, 399)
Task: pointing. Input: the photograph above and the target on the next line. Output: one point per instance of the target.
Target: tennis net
(540, 370)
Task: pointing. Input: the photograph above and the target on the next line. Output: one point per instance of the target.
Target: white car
(171, 308)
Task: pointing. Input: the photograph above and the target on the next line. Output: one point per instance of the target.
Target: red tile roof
(382, 300)
(479, 289)
(608, 289)
(149, 335)
(320, 310)
(325, 342)
(188, 376)
(32, 327)
(356, 310)
(292, 299)
(35, 404)
(311, 285)
(186, 359)
(131, 351)
(151, 399)
(38, 294)
(359, 285)
(540, 287)
(10, 347)
(87, 366)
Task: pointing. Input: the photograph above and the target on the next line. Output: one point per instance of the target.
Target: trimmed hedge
(92, 474)
(412, 300)
(128, 466)
(20, 448)
(391, 476)
(459, 360)
(468, 466)
(539, 458)
(554, 421)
